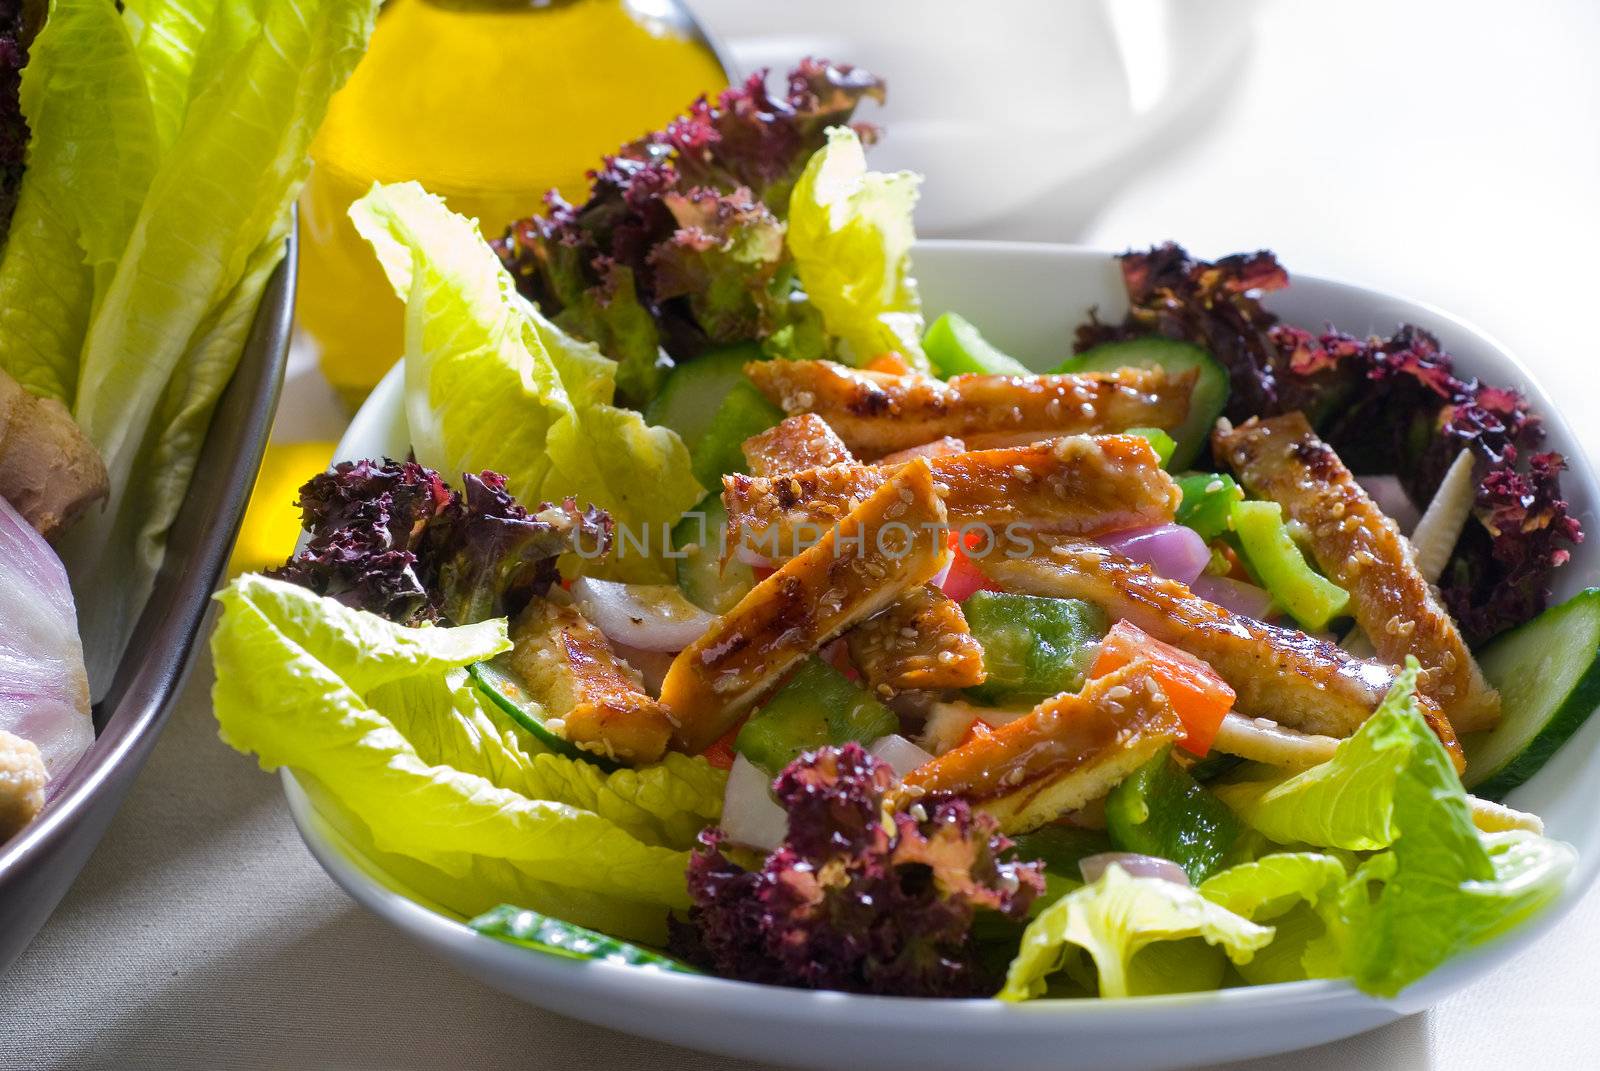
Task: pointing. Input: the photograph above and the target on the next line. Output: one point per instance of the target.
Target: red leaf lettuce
(1391, 405)
(679, 247)
(851, 900)
(392, 538)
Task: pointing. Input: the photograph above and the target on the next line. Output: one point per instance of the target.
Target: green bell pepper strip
(1309, 597)
(1208, 499)
(1033, 647)
(1161, 810)
(954, 347)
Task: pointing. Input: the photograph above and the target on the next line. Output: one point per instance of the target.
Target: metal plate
(39, 864)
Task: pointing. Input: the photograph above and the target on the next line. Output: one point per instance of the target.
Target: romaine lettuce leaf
(90, 163)
(1347, 802)
(1113, 920)
(850, 234)
(381, 720)
(169, 140)
(492, 384)
(1298, 893)
(1438, 886)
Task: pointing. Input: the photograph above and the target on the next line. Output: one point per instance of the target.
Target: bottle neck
(500, 7)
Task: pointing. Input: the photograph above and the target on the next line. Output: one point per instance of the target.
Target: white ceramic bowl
(1027, 299)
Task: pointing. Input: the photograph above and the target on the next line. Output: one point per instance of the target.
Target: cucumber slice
(519, 926)
(496, 680)
(703, 579)
(1548, 673)
(818, 706)
(693, 392)
(1210, 395)
(744, 412)
(954, 347)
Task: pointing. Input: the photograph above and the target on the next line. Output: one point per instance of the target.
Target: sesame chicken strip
(1357, 546)
(800, 442)
(1077, 484)
(1067, 752)
(1280, 674)
(568, 665)
(921, 642)
(892, 542)
(877, 413)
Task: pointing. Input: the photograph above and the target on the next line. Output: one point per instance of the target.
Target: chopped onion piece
(1134, 865)
(750, 816)
(1173, 551)
(44, 692)
(901, 754)
(652, 665)
(1234, 595)
(650, 617)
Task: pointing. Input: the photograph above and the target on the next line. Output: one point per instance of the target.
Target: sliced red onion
(650, 617)
(750, 816)
(1134, 865)
(1173, 551)
(901, 754)
(1390, 496)
(44, 692)
(1235, 595)
(938, 579)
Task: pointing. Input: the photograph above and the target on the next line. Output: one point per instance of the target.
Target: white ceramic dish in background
(1028, 131)
(1027, 299)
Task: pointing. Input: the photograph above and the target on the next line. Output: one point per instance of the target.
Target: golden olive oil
(488, 103)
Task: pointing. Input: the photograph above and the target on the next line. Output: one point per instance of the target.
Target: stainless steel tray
(38, 865)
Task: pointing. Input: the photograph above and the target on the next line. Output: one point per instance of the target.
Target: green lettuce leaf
(90, 162)
(1298, 893)
(169, 141)
(382, 725)
(167, 35)
(1116, 918)
(492, 384)
(1435, 885)
(1347, 802)
(850, 234)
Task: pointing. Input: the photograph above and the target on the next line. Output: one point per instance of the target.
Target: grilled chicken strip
(876, 413)
(568, 665)
(1065, 753)
(922, 641)
(1077, 484)
(1362, 550)
(1279, 674)
(893, 542)
(801, 442)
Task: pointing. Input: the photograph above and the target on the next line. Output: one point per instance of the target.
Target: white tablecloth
(1449, 152)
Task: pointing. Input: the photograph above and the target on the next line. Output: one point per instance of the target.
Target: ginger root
(49, 471)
